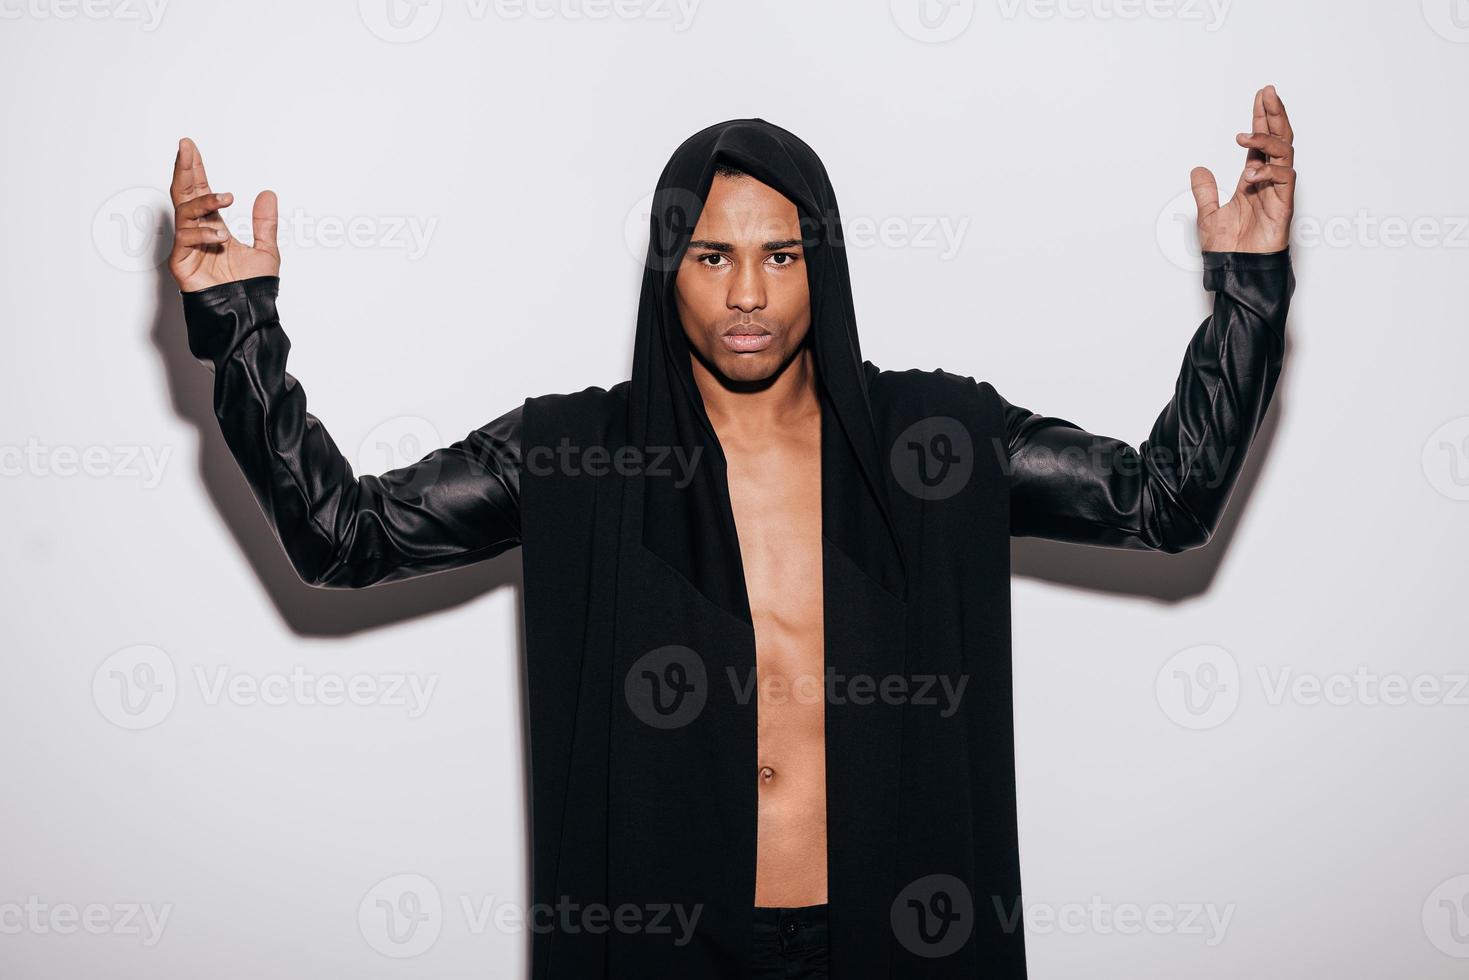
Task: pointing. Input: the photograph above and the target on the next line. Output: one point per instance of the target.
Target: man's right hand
(204, 252)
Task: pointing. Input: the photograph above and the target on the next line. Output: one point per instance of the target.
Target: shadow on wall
(1150, 575)
(310, 611)
(306, 610)
(342, 612)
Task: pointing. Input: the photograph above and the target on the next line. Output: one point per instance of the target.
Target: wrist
(1219, 259)
(254, 286)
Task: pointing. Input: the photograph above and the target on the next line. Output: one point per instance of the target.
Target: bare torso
(775, 492)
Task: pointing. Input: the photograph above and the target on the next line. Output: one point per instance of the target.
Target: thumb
(264, 221)
(1206, 191)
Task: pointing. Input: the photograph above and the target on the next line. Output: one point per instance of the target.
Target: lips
(747, 338)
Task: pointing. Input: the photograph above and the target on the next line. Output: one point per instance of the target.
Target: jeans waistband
(791, 928)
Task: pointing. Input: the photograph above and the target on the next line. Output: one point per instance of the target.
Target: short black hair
(728, 170)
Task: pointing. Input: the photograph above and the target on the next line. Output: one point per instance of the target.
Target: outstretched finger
(201, 179)
(197, 236)
(1254, 157)
(1275, 149)
(178, 188)
(1270, 174)
(189, 179)
(264, 220)
(201, 207)
(1206, 190)
(1275, 115)
(1275, 182)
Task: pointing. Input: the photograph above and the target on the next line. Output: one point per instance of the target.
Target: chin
(749, 367)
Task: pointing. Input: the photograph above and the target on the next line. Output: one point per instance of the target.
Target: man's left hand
(1257, 217)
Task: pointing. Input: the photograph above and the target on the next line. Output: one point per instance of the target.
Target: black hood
(692, 527)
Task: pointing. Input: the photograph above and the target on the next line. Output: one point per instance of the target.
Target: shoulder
(588, 399)
(593, 410)
(918, 393)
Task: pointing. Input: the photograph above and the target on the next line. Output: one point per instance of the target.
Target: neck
(739, 409)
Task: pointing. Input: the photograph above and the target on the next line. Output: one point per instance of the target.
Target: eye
(710, 255)
(785, 255)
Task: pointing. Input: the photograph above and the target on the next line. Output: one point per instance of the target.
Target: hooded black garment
(639, 640)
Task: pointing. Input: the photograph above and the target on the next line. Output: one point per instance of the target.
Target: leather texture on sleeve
(1169, 493)
(457, 505)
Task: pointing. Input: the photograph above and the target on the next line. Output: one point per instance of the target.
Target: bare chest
(776, 499)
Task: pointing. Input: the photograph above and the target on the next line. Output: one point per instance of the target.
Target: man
(766, 583)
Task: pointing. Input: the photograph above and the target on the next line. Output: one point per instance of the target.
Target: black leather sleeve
(457, 505)
(1170, 493)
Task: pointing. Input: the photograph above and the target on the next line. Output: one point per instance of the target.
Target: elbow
(325, 567)
(1177, 546)
(326, 583)
(322, 577)
(1177, 528)
(338, 576)
(1187, 533)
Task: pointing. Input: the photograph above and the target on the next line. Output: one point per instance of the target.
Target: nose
(747, 289)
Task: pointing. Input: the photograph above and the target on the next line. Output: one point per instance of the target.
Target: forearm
(1224, 388)
(1170, 493)
(456, 505)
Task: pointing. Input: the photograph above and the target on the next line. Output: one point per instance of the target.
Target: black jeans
(790, 944)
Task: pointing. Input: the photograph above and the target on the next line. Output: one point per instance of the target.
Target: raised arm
(457, 505)
(1170, 493)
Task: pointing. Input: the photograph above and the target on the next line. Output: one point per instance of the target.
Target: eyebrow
(726, 247)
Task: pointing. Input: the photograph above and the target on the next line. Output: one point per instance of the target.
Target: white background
(1054, 140)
